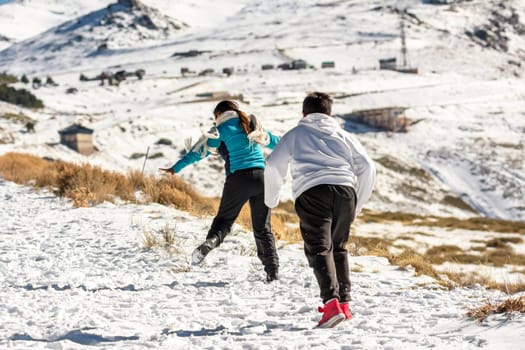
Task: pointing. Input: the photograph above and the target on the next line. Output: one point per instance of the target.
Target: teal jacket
(233, 146)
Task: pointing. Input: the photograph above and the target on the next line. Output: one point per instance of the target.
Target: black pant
(325, 213)
(240, 187)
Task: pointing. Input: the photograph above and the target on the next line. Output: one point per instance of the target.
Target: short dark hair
(317, 102)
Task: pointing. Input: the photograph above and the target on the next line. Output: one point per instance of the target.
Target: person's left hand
(167, 170)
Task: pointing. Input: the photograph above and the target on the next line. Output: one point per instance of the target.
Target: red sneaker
(346, 310)
(332, 314)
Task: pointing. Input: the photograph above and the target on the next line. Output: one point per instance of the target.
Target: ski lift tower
(403, 41)
(404, 68)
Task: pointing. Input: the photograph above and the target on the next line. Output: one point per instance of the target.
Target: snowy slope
(70, 278)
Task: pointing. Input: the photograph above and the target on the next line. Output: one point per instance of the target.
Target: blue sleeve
(213, 143)
(190, 158)
(274, 140)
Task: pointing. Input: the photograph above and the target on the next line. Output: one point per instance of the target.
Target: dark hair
(317, 102)
(227, 105)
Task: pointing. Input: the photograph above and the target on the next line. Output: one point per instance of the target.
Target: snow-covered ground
(72, 277)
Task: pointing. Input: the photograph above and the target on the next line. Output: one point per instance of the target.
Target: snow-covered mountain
(468, 97)
(23, 19)
(121, 25)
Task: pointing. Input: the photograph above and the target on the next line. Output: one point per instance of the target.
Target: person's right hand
(167, 170)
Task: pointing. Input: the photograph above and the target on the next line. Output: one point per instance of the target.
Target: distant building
(207, 71)
(439, 2)
(78, 138)
(388, 63)
(228, 71)
(388, 118)
(285, 66)
(328, 64)
(391, 64)
(217, 96)
(298, 64)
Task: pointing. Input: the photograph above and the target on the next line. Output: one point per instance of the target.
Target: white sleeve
(365, 171)
(276, 170)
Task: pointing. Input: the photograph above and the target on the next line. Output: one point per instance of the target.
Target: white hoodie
(320, 152)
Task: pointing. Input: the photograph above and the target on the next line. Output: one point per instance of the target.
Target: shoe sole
(333, 321)
(197, 257)
(199, 254)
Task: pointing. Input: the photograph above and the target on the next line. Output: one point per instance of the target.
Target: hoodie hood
(321, 122)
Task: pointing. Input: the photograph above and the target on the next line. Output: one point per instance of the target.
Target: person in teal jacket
(238, 138)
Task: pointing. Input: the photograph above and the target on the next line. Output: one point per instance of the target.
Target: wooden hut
(78, 138)
(388, 118)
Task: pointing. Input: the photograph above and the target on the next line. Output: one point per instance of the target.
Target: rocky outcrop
(495, 33)
(132, 18)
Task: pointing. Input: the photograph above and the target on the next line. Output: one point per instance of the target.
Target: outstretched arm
(274, 140)
(199, 151)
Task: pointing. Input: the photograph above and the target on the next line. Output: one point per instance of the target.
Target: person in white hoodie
(332, 178)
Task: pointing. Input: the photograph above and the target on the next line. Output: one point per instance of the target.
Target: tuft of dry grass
(165, 239)
(149, 240)
(410, 258)
(502, 242)
(399, 166)
(359, 245)
(168, 235)
(442, 253)
(458, 203)
(506, 307)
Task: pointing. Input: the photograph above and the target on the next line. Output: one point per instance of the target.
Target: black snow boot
(272, 276)
(200, 253)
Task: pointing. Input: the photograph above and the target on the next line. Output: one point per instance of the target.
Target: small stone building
(78, 138)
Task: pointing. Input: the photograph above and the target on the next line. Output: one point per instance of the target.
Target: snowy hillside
(468, 96)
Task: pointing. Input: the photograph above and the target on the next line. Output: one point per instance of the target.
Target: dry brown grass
(471, 279)
(423, 263)
(88, 185)
(472, 224)
(410, 258)
(502, 242)
(23, 168)
(496, 256)
(507, 307)
(359, 245)
(19, 118)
